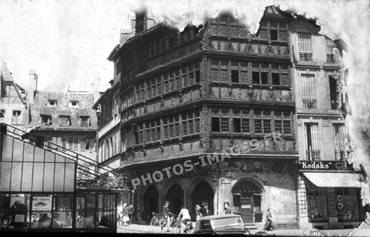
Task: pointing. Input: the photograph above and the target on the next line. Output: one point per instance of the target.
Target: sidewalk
(135, 228)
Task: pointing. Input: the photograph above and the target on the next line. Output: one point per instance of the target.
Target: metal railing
(88, 169)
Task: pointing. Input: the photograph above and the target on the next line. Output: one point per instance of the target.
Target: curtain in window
(312, 141)
(304, 43)
(308, 90)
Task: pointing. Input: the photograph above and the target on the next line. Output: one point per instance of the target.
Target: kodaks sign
(324, 165)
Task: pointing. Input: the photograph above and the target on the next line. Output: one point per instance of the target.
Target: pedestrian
(130, 209)
(125, 217)
(198, 213)
(167, 213)
(206, 212)
(120, 213)
(367, 210)
(268, 221)
(184, 217)
(227, 208)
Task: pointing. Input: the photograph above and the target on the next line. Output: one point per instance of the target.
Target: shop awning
(331, 180)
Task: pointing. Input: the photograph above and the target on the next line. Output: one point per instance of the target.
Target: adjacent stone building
(328, 187)
(13, 102)
(66, 119)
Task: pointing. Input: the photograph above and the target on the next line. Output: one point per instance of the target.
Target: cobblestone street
(364, 231)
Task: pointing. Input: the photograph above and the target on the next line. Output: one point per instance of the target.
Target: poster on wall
(19, 199)
(41, 203)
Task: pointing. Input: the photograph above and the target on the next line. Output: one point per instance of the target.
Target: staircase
(88, 170)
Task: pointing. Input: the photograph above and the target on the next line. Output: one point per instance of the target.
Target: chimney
(140, 21)
(32, 87)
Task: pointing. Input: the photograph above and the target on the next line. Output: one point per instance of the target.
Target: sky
(67, 42)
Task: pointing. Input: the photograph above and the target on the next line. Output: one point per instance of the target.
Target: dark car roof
(213, 217)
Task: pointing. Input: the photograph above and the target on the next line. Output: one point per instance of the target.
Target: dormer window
(46, 119)
(52, 103)
(74, 103)
(84, 121)
(65, 121)
(16, 119)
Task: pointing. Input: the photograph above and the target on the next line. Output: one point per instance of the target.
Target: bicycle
(163, 221)
(156, 218)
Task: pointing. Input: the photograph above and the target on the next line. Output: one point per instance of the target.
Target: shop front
(250, 187)
(333, 194)
(38, 192)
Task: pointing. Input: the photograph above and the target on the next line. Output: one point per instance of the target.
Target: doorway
(202, 195)
(247, 198)
(150, 203)
(175, 196)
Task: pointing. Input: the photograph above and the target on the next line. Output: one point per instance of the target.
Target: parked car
(223, 224)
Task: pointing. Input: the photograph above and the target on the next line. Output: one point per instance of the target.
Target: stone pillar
(332, 209)
(302, 204)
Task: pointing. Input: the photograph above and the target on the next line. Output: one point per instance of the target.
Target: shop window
(18, 212)
(46, 119)
(316, 202)
(347, 205)
(235, 76)
(41, 216)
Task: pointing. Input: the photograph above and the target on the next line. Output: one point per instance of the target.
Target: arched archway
(202, 195)
(150, 202)
(247, 200)
(175, 195)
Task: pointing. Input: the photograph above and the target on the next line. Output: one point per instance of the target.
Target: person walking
(206, 211)
(167, 213)
(184, 217)
(119, 213)
(268, 221)
(125, 217)
(198, 213)
(130, 210)
(227, 208)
